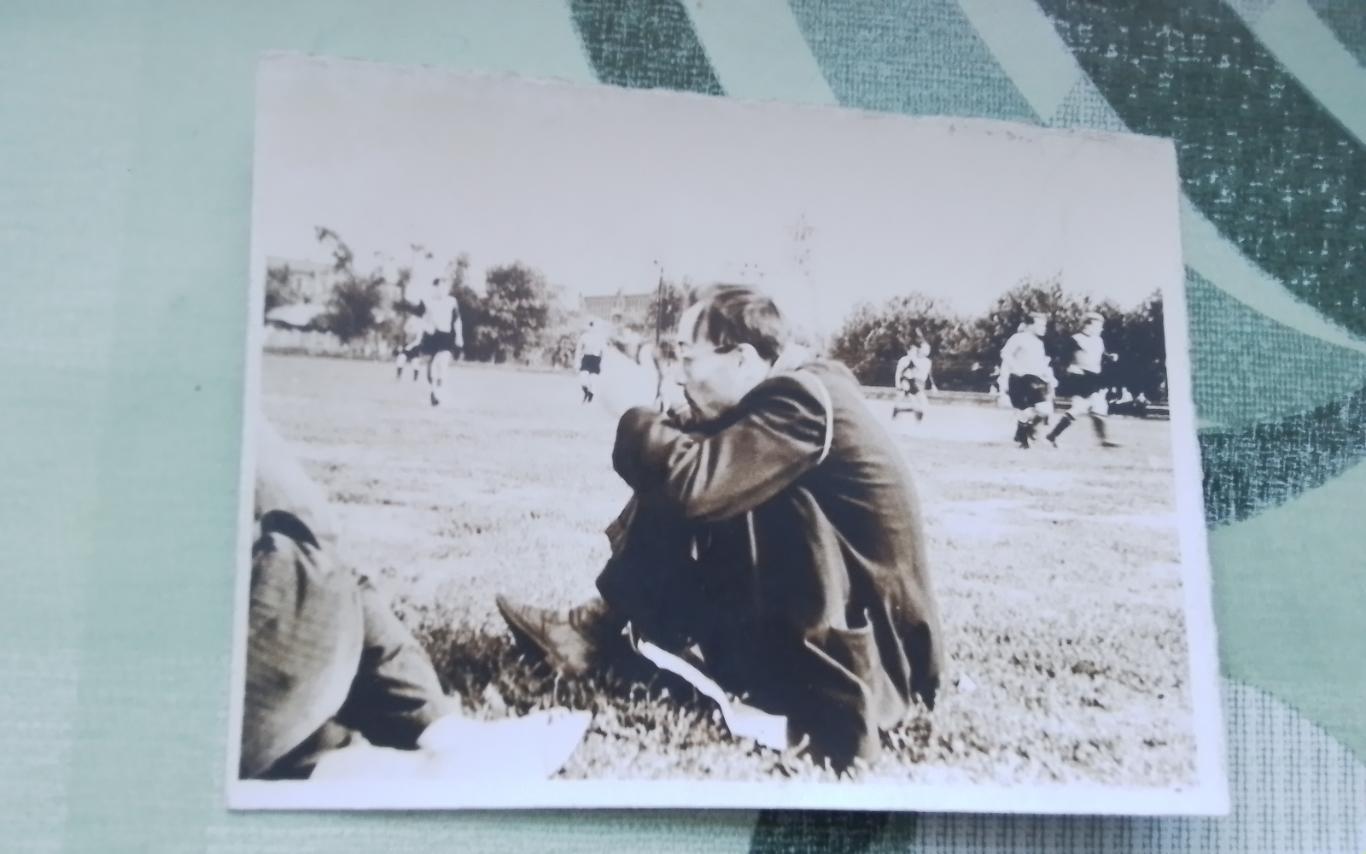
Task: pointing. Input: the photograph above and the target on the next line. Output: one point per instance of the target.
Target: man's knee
(303, 645)
(653, 577)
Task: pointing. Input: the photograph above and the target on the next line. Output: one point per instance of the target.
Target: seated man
(776, 529)
(336, 685)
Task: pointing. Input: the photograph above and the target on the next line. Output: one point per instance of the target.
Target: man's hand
(623, 384)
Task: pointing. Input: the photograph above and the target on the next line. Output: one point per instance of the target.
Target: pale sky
(601, 188)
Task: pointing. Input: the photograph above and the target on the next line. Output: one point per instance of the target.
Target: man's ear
(751, 363)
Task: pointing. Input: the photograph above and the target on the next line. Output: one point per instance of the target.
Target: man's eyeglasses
(687, 350)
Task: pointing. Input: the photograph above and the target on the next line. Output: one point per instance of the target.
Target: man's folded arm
(781, 433)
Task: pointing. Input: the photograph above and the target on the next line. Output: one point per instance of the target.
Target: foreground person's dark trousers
(767, 601)
(327, 661)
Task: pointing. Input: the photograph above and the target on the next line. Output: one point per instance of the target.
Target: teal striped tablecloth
(125, 160)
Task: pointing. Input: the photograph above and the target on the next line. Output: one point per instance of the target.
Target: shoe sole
(526, 636)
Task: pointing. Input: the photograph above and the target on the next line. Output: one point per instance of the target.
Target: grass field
(1057, 574)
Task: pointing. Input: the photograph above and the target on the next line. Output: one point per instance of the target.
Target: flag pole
(659, 336)
(659, 310)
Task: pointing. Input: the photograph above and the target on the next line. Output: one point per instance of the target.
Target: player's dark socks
(1022, 434)
(1063, 424)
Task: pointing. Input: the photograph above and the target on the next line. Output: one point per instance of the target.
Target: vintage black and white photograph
(621, 448)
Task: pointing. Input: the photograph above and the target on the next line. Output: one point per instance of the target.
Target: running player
(443, 339)
(1028, 379)
(1084, 383)
(591, 345)
(411, 349)
(912, 378)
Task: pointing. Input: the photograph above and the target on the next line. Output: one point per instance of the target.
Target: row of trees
(521, 317)
(518, 317)
(356, 304)
(967, 350)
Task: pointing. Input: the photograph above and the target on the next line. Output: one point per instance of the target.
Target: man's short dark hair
(738, 314)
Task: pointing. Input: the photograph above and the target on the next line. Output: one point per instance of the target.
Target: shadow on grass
(647, 723)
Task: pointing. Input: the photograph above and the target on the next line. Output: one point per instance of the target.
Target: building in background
(623, 309)
(303, 281)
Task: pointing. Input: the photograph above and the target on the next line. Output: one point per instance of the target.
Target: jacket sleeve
(396, 693)
(781, 430)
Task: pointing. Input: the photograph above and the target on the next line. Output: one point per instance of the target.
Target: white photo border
(1208, 796)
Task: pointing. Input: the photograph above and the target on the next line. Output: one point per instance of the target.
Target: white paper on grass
(742, 720)
(456, 748)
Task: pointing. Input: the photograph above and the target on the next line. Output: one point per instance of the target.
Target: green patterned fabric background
(125, 163)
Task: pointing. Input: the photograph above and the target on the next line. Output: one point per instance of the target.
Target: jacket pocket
(854, 649)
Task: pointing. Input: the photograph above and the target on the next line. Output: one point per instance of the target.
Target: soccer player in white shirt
(1084, 383)
(591, 346)
(912, 377)
(444, 338)
(1027, 377)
